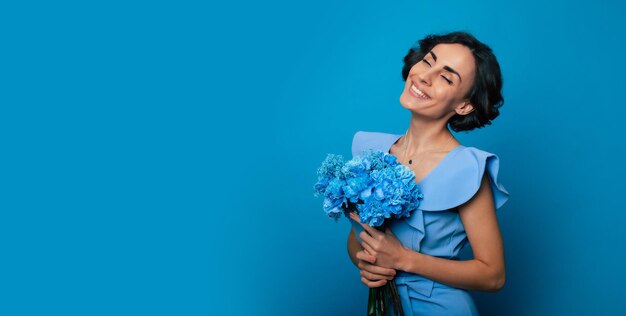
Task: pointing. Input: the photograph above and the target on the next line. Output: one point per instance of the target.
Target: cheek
(416, 68)
(445, 93)
(458, 93)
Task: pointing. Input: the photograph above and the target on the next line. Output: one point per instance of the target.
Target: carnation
(375, 186)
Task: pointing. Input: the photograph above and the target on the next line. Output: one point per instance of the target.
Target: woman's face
(437, 84)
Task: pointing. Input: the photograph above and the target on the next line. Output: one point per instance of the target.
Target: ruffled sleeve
(357, 144)
(453, 183)
(362, 141)
(460, 179)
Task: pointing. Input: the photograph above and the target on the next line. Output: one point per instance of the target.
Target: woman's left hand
(384, 246)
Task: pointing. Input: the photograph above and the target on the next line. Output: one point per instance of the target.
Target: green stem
(378, 302)
(371, 303)
(381, 298)
(386, 299)
(397, 305)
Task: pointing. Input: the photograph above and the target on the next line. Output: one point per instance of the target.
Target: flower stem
(381, 305)
(395, 297)
(371, 303)
(381, 299)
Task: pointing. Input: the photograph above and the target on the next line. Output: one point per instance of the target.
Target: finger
(370, 253)
(375, 269)
(362, 255)
(375, 276)
(373, 284)
(389, 232)
(355, 217)
(366, 238)
(372, 268)
(371, 230)
(370, 250)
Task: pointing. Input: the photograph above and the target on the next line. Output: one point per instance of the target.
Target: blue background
(159, 157)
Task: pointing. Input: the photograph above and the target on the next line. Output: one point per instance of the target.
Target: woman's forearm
(353, 247)
(467, 274)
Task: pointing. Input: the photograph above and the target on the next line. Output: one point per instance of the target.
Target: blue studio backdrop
(159, 157)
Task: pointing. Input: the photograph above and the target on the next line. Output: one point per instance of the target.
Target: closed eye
(442, 76)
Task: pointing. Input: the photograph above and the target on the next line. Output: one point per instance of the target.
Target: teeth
(419, 92)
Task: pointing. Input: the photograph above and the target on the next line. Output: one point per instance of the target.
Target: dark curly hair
(485, 93)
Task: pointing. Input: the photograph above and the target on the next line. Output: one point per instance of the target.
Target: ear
(465, 108)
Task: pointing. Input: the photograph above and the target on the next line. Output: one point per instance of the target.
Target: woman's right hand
(371, 274)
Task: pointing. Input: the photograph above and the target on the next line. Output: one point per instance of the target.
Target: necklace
(406, 144)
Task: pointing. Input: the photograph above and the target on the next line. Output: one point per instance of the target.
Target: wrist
(406, 260)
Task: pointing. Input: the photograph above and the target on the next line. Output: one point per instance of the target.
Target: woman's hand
(384, 247)
(371, 274)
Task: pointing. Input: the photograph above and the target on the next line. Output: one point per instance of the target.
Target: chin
(410, 102)
(403, 102)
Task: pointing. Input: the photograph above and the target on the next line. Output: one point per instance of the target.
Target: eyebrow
(446, 67)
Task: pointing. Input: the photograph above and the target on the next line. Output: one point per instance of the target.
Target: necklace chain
(406, 144)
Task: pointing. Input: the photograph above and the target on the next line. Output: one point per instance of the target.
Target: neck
(427, 135)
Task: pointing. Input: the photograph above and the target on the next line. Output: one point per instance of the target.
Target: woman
(451, 80)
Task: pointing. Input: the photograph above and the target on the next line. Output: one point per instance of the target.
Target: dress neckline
(442, 161)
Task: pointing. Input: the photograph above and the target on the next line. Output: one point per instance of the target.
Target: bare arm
(371, 274)
(486, 272)
(353, 247)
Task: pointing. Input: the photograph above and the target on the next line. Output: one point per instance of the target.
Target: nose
(426, 76)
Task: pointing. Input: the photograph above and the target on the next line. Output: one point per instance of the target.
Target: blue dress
(435, 228)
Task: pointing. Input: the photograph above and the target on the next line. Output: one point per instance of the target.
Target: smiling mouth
(418, 93)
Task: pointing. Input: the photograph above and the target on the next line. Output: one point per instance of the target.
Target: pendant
(410, 161)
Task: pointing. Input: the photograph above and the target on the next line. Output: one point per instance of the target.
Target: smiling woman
(458, 52)
(452, 80)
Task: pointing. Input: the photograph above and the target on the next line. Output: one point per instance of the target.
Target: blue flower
(331, 166)
(355, 167)
(334, 190)
(320, 186)
(390, 160)
(333, 208)
(375, 184)
(355, 186)
(367, 192)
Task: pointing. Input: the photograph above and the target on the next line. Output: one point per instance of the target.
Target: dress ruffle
(459, 180)
(362, 141)
(455, 183)
(449, 185)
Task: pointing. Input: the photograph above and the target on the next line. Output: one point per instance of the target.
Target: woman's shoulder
(461, 177)
(469, 158)
(471, 150)
(364, 140)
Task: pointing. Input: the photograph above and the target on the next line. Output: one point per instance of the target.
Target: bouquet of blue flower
(376, 187)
